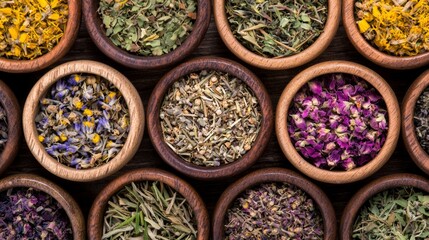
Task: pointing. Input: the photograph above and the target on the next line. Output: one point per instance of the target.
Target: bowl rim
(64, 45)
(266, 175)
(338, 177)
(371, 53)
(70, 206)
(291, 61)
(136, 112)
(97, 33)
(222, 65)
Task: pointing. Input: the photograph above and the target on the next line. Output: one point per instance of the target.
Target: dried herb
(151, 27)
(397, 27)
(149, 210)
(32, 214)
(421, 119)
(273, 211)
(83, 121)
(276, 28)
(3, 128)
(30, 28)
(337, 121)
(399, 213)
(210, 118)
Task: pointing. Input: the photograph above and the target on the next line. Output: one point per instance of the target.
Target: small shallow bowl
(363, 195)
(96, 214)
(417, 153)
(64, 199)
(132, 99)
(61, 49)
(310, 53)
(370, 52)
(274, 175)
(338, 67)
(97, 33)
(222, 65)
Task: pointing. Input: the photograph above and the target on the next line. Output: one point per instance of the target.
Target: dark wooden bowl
(13, 112)
(366, 74)
(64, 199)
(222, 65)
(96, 214)
(417, 153)
(273, 175)
(363, 195)
(97, 33)
(63, 46)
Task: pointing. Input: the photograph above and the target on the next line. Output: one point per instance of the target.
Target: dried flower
(3, 128)
(421, 119)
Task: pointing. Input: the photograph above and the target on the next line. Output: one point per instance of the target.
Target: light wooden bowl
(358, 173)
(363, 195)
(274, 175)
(97, 33)
(131, 97)
(370, 52)
(64, 199)
(321, 43)
(222, 65)
(417, 153)
(63, 46)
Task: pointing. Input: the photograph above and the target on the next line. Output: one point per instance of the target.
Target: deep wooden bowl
(63, 46)
(273, 175)
(363, 195)
(96, 214)
(372, 53)
(321, 43)
(417, 153)
(131, 97)
(222, 65)
(13, 112)
(97, 33)
(338, 67)
(64, 199)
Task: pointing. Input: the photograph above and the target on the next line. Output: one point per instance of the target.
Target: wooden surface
(274, 81)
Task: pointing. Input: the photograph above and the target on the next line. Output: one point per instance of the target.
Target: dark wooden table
(275, 81)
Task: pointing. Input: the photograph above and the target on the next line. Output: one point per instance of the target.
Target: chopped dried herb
(421, 119)
(3, 128)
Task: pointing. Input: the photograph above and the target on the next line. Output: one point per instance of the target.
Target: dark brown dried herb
(3, 128)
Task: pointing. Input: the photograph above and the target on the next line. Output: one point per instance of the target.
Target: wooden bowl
(96, 214)
(417, 153)
(64, 199)
(132, 99)
(222, 65)
(363, 195)
(273, 175)
(338, 67)
(372, 53)
(13, 112)
(310, 53)
(47, 59)
(98, 35)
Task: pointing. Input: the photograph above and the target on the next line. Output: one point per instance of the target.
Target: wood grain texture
(135, 108)
(97, 32)
(64, 199)
(222, 65)
(377, 186)
(328, 176)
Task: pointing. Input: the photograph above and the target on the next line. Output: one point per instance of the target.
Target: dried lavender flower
(3, 128)
(421, 119)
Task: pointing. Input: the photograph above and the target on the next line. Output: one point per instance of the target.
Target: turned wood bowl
(64, 199)
(338, 177)
(132, 99)
(417, 153)
(268, 175)
(221, 65)
(96, 214)
(372, 53)
(305, 56)
(61, 49)
(13, 111)
(98, 34)
(367, 192)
